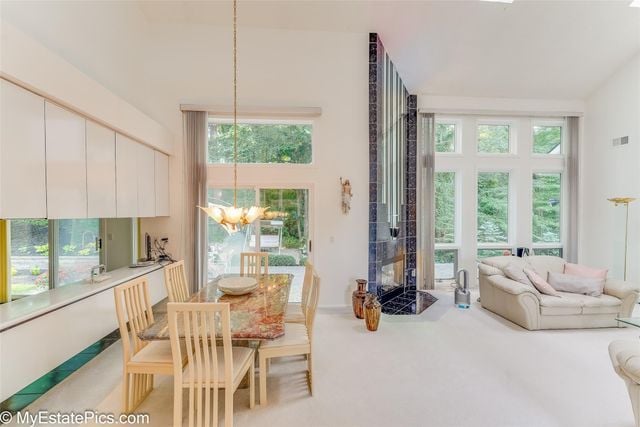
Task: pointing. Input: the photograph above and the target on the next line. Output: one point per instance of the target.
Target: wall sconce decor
(346, 195)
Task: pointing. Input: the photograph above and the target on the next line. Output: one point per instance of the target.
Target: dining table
(256, 316)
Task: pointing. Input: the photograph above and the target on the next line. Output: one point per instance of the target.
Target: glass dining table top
(258, 315)
(633, 321)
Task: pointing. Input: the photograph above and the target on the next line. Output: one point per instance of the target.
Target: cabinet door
(162, 184)
(66, 163)
(146, 182)
(126, 177)
(23, 191)
(101, 171)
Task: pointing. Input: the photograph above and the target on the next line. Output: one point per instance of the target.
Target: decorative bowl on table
(237, 285)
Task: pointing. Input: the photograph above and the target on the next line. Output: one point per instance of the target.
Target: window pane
(493, 207)
(547, 139)
(493, 139)
(224, 248)
(77, 251)
(548, 251)
(546, 207)
(445, 137)
(486, 253)
(260, 143)
(446, 263)
(445, 207)
(29, 256)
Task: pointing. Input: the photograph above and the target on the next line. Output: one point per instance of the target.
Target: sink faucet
(101, 269)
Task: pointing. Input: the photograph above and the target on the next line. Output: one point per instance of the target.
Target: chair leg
(228, 407)
(310, 373)
(125, 392)
(263, 380)
(177, 404)
(252, 384)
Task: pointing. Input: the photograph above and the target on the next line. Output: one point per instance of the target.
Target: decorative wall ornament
(346, 195)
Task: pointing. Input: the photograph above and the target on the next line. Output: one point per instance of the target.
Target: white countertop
(19, 311)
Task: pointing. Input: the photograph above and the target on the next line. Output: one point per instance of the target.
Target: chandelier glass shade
(233, 218)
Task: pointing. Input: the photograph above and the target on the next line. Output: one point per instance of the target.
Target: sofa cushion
(625, 356)
(541, 285)
(571, 303)
(516, 273)
(502, 261)
(584, 271)
(576, 284)
(487, 270)
(543, 264)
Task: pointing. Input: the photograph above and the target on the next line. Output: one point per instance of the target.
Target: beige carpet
(447, 367)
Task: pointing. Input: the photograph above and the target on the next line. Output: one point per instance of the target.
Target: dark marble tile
(411, 214)
(373, 113)
(373, 232)
(373, 37)
(411, 181)
(373, 52)
(411, 119)
(411, 244)
(373, 177)
(373, 92)
(412, 133)
(411, 260)
(373, 192)
(373, 73)
(373, 254)
(412, 102)
(373, 212)
(411, 197)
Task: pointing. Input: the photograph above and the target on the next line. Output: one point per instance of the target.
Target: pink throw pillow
(541, 285)
(584, 271)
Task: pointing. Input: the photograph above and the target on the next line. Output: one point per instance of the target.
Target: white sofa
(525, 306)
(625, 357)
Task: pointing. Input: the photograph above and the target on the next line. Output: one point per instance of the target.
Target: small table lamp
(624, 201)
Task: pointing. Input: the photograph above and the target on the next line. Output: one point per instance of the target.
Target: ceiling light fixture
(232, 218)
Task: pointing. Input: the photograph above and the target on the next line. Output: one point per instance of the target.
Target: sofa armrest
(621, 289)
(511, 286)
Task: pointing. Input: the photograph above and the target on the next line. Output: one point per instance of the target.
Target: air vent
(623, 140)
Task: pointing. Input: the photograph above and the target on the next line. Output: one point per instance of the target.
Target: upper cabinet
(146, 181)
(126, 177)
(66, 163)
(101, 171)
(162, 184)
(22, 153)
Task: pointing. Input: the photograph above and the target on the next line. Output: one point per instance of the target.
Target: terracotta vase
(372, 310)
(357, 298)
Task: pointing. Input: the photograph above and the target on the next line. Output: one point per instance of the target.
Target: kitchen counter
(24, 309)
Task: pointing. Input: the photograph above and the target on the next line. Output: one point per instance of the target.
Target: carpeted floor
(447, 367)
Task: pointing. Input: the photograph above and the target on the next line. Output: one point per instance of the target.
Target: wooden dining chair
(297, 340)
(175, 281)
(209, 367)
(141, 359)
(254, 264)
(296, 312)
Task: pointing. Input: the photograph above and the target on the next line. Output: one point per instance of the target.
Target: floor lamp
(624, 201)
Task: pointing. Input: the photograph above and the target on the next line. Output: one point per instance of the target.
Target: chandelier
(232, 218)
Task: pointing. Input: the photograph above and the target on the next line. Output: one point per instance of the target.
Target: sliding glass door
(283, 233)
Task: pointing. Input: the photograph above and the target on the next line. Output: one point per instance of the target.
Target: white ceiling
(528, 49)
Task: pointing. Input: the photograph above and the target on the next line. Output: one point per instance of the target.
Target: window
(446, 261)
(445, 137)
(493, 207)
(548, 251)
(445, 217)
(546, 207)
(547, 139)
(77, 249)
(486, 253)
(493, 139)
(29, 256)
(265, 142)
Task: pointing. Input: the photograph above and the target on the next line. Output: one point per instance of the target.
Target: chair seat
(157, 352)
(294, 334)
(294, 314)
(242, 357)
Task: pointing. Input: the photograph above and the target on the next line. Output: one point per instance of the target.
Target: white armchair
(625, 357)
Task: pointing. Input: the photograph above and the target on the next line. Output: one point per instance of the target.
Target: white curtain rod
(275, 112)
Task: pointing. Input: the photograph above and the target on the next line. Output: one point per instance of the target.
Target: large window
(547, 139)
(264, 142)
(445, 137)
(546, 207)
(493, 138)
(77, 249)
(445, 218)
(29, 256)
(493, 207)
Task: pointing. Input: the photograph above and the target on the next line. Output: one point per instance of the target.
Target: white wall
(284, 69)
(612, 111)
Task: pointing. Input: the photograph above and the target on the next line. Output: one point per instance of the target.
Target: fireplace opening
(392, 276)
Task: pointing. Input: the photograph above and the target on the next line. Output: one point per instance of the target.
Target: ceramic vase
(372, 311)
(357, 298)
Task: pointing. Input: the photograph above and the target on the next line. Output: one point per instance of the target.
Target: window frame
(563, 137)
(266, 120)
(564, 212)
(457, 142)
(511, 208)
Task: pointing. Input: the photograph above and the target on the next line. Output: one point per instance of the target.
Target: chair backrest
(175, 280)
(198, 324)
(306, 286)
(310, 314)
(133, 307)
(254, 264)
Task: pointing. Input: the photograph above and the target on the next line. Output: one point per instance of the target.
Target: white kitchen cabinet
(22, 153)
(101, 171)
(146, 181)
(66, 163)
(126, 177)
(162, 184)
